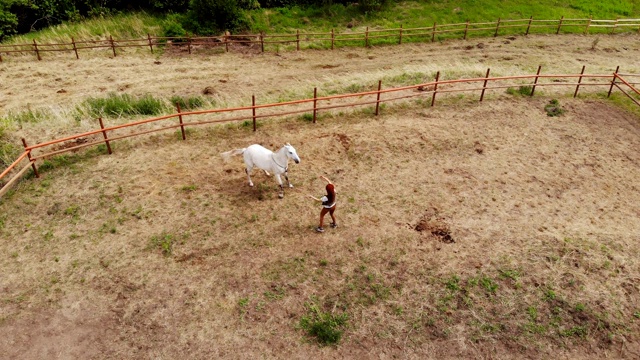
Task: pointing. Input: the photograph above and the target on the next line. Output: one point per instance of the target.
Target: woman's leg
(322, 214)
(335, 223)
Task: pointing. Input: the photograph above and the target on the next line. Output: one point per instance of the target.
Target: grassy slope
(408, 13)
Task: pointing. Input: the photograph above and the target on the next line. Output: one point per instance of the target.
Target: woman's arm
(325, 179)
(315, 198)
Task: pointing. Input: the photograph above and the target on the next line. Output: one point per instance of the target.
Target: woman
(328, 204)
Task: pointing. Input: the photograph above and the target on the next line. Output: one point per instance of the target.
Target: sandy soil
(467, 189)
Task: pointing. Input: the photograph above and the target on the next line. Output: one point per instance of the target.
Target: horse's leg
(248, 171)
(286, 176)
(279, 180)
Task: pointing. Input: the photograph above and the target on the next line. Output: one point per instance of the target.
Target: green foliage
(522, 90)
(207, 17)
(8, 152)
(189, 103)
(553, 108)
(116, 105)
(8, 23)
(172, 27)
(164, 242)
(325, 327)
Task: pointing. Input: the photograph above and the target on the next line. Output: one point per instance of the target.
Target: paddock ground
(545, 208)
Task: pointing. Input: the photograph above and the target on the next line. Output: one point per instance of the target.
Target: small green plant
(579, 331)
(580, 307)
(549, 295)
(164, 242)
(307, 117)
(553, 108)
(488, 284)
(327, 328)
(189, 188)
(521, 90)
(453, 283)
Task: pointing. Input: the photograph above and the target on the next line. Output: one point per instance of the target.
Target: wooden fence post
(613, 82)
(497, 28)
(75, 48)
(433, 33)
(226, 41)
(533, 89)
(435, 89)
(378, 96)
(529, 26)
(315, 102)
(559, 25)
(35, 47)
(484, 87)
(104, 134)
(189, 43)
(33, 164)
(400, 36)
(297, 40)
(333, 39)
(184, 135)
(253, 108)
(262, 41)
(366, 37)
(586, 30)
(0, 58)
(150, 42)
(466, 29)
(579, 81)
(615, 25)
(113, 45)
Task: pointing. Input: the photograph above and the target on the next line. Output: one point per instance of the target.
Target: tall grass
(121, 26)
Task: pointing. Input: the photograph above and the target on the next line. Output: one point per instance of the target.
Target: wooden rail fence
(366, 38)
(44, 150)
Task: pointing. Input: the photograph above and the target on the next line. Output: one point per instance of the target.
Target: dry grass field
(466, 230)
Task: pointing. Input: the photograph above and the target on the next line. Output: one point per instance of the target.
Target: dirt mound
(431, 224)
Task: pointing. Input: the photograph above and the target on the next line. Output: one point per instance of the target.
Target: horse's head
(291, 153)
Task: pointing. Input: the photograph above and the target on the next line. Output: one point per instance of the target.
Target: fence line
(366, 38)
(423, 90)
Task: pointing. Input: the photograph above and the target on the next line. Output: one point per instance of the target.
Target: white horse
(275, 162)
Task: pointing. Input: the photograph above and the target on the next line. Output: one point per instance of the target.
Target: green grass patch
(553, 108)
(325, 327)
(164, 242)
(523, 90)
(188, 103)
(119, 105)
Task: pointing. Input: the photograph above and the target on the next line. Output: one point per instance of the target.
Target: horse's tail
(228, 154)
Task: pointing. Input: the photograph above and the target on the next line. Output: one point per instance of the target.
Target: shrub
(8, 23)
(211, 16)
(172, 27)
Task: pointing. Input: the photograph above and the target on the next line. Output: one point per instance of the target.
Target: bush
(172, 27)
(8, 24)
(207, 17)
